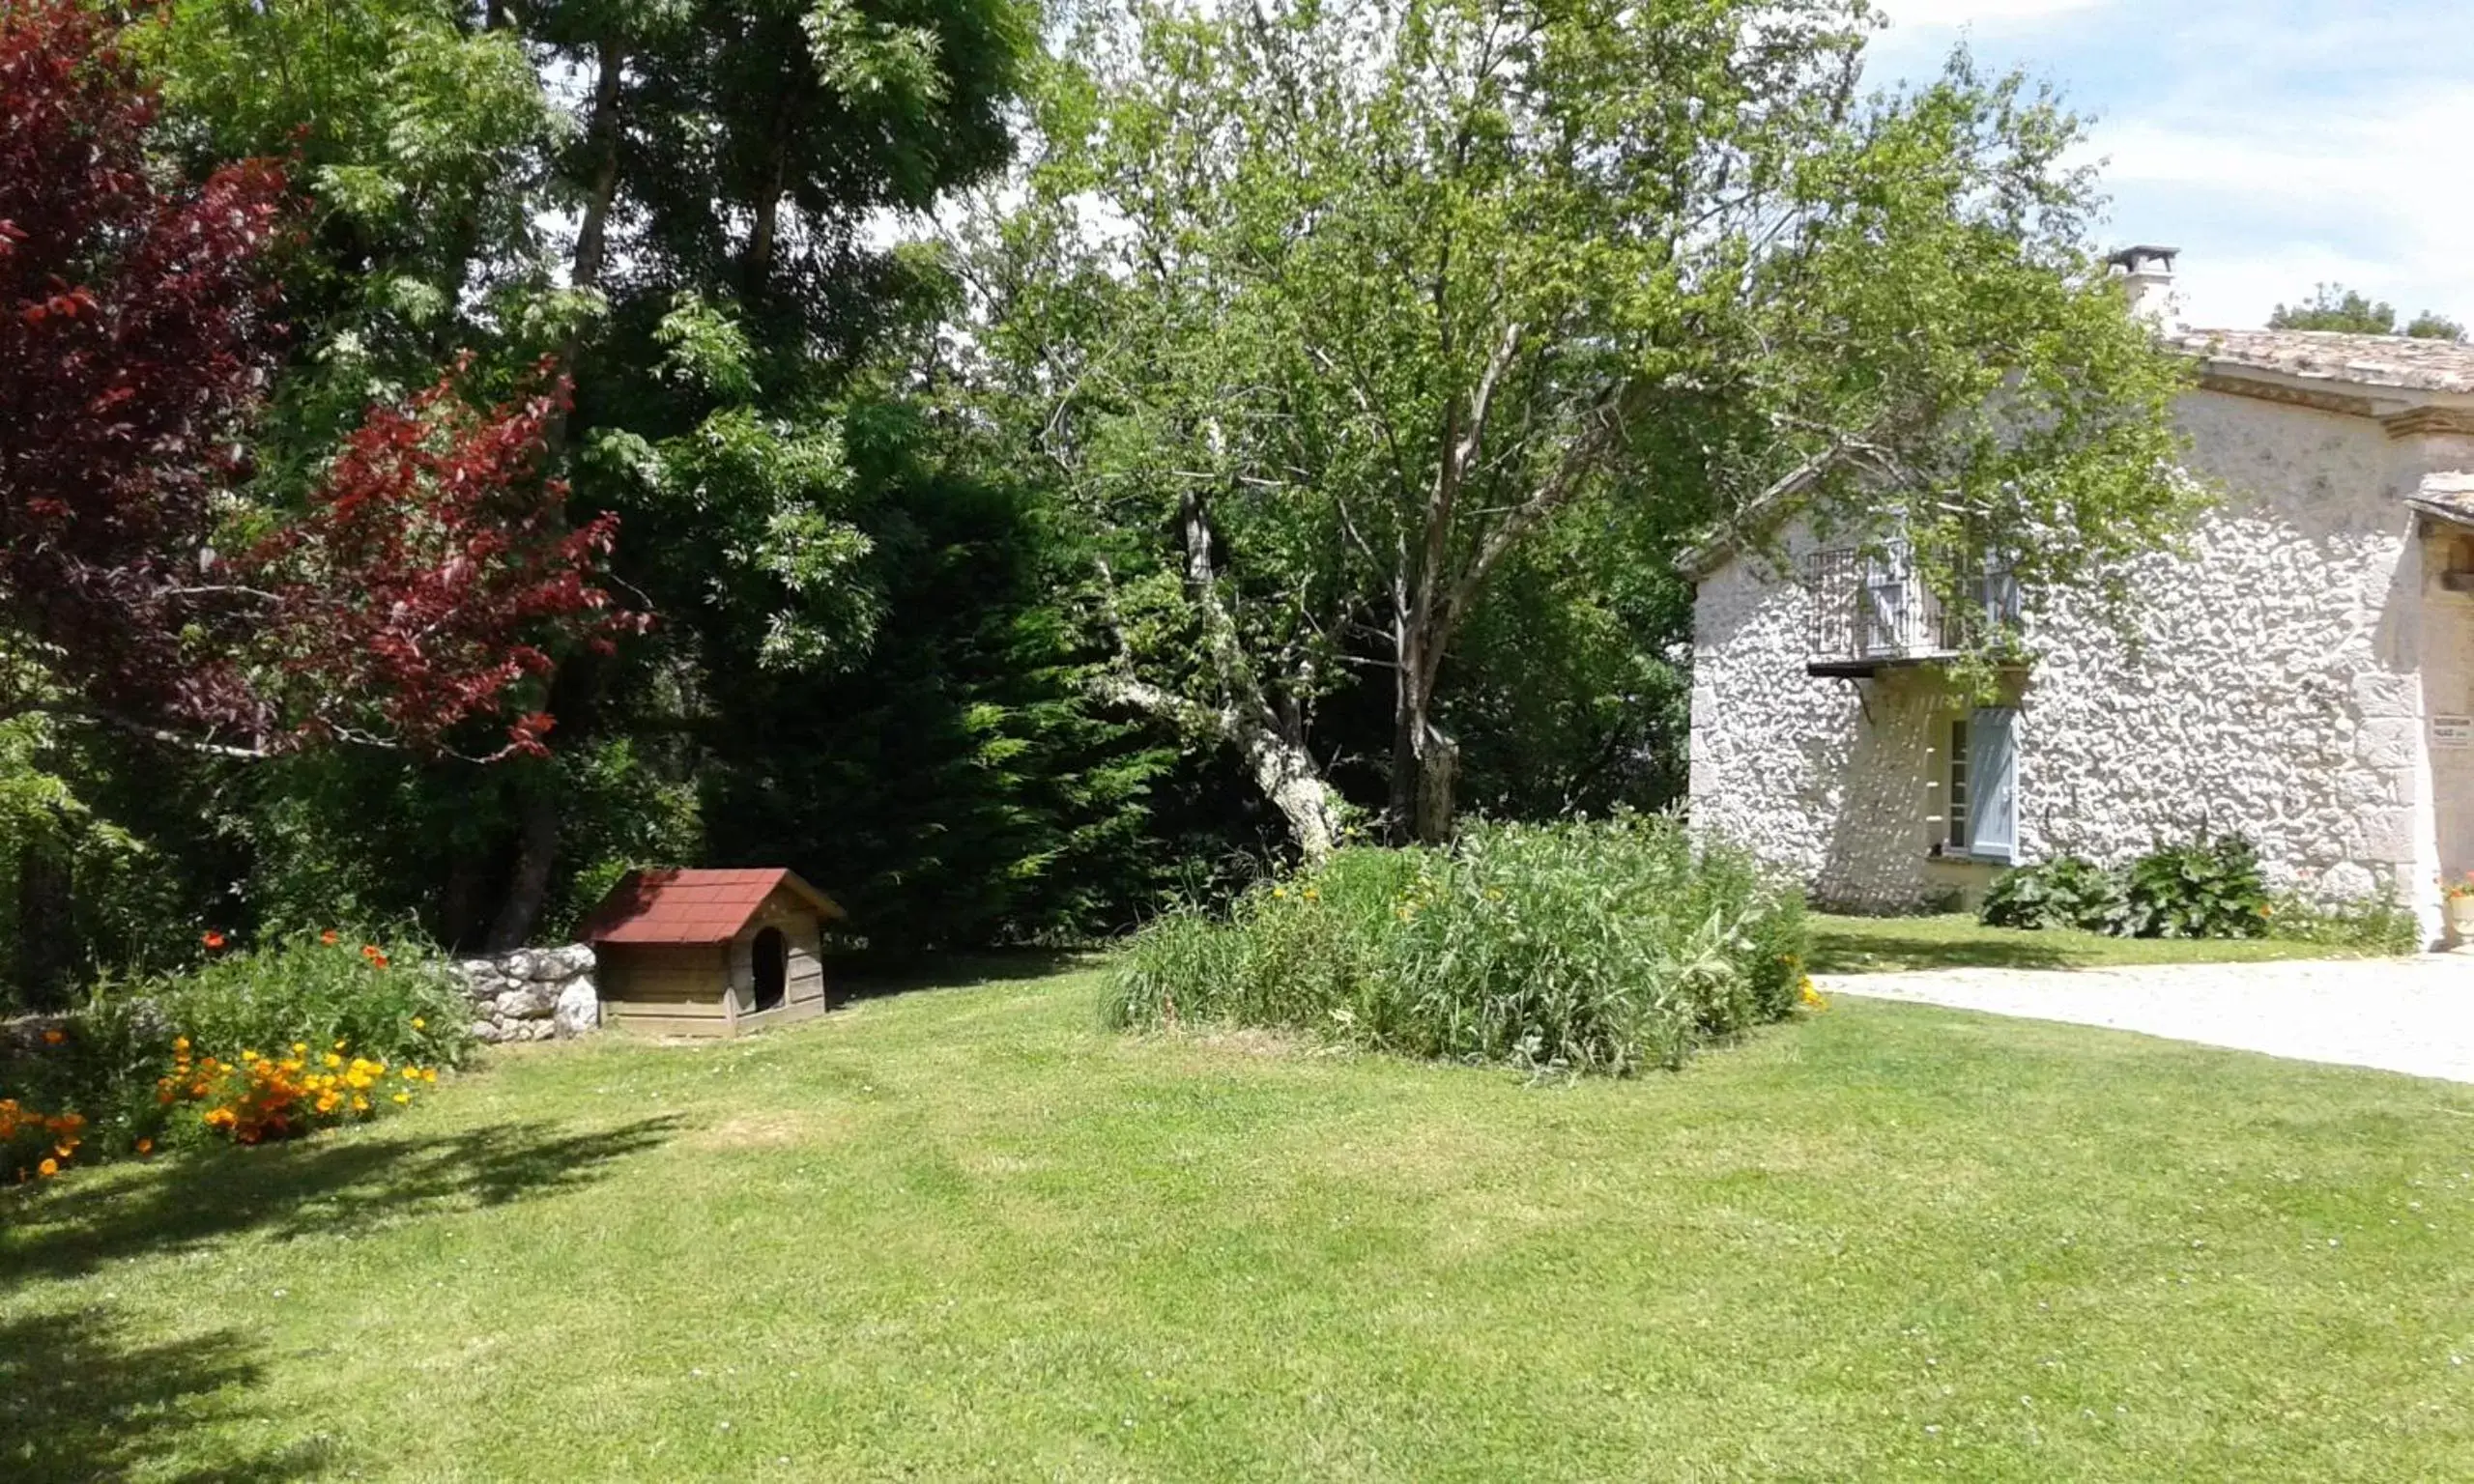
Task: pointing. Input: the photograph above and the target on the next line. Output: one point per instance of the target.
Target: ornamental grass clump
(1601, 948)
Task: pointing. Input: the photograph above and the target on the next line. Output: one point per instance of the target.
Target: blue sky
(2279, 143)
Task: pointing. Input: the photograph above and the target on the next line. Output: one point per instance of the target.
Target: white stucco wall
(2274, 680)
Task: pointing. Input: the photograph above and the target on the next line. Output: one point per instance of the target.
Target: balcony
(1873, 610)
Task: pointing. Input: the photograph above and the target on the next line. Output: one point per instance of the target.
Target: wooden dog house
(710, 953)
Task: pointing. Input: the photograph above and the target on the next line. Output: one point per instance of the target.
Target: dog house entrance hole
(773, 967)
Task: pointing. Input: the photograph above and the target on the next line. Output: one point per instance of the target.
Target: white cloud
(2273, 200)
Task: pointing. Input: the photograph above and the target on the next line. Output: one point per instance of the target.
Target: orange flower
(328, 937)
(146, 1145)
(49, 1168)
(212, 938)
(54, 1038)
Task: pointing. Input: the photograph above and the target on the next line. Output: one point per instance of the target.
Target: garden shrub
(304, 1033)
(2208, 888)
(399, 1002)
(2069, 891)
(1588, 948)
(2370, 926)
(2211, 886)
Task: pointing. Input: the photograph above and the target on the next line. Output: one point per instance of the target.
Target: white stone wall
(533, 994)
(2273, 679)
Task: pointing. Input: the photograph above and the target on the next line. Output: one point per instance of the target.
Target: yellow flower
(301, 1048)
(332, 1060)
(402, 1098)
(419, 1025)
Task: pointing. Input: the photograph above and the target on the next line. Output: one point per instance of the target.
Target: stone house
(2303, 675)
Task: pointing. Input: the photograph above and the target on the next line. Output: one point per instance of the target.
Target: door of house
(1881, 625)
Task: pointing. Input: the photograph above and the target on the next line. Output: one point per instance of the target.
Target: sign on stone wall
(2452, 734)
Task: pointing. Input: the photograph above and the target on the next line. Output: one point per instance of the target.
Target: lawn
(1883, 944)
(963, 1233)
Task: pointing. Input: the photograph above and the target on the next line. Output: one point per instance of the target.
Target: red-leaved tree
(412, 595)
(415, 595)
(133, 340)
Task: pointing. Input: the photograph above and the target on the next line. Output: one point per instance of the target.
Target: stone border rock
(533, 994)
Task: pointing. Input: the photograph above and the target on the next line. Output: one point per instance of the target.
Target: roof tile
(691, 907)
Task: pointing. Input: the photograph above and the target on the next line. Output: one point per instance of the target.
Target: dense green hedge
(1589, 947)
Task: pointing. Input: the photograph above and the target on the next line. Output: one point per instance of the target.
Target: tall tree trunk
(1426, 760)
(46, 898)
(1270, 738)
(537, 842)
(528, 887)
(602, 131)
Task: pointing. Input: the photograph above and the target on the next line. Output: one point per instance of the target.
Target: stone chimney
(2147, 274)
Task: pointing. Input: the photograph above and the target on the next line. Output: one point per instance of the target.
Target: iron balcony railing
(1875, 608)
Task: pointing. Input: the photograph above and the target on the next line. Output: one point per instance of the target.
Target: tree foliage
(2334, 308)
(137, 336)
(1328, 313)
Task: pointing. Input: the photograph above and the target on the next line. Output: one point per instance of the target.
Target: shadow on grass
(320, 1186)
(861, 977)
(77, 1403)
(1836, 951)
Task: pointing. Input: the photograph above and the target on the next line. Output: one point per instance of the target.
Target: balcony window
(1873, 609)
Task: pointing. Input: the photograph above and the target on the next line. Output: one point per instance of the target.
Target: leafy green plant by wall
(2206, 888)
(2211, 887)
(1584, 948)
(2370, 926)
(2069, 891)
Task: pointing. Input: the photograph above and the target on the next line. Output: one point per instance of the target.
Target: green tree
(2334, 308)
(669, 198)
(2431, 324)
(1329, 313)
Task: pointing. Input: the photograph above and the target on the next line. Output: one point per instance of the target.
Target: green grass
(963, 1233)
(1884, 945)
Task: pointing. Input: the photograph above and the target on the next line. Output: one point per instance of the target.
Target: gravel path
(2413, 1015)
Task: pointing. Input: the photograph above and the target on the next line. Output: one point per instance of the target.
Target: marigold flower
(146, 1145)
(53, 1037)
(49, 1168)
(329, 937)
(212, 938)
